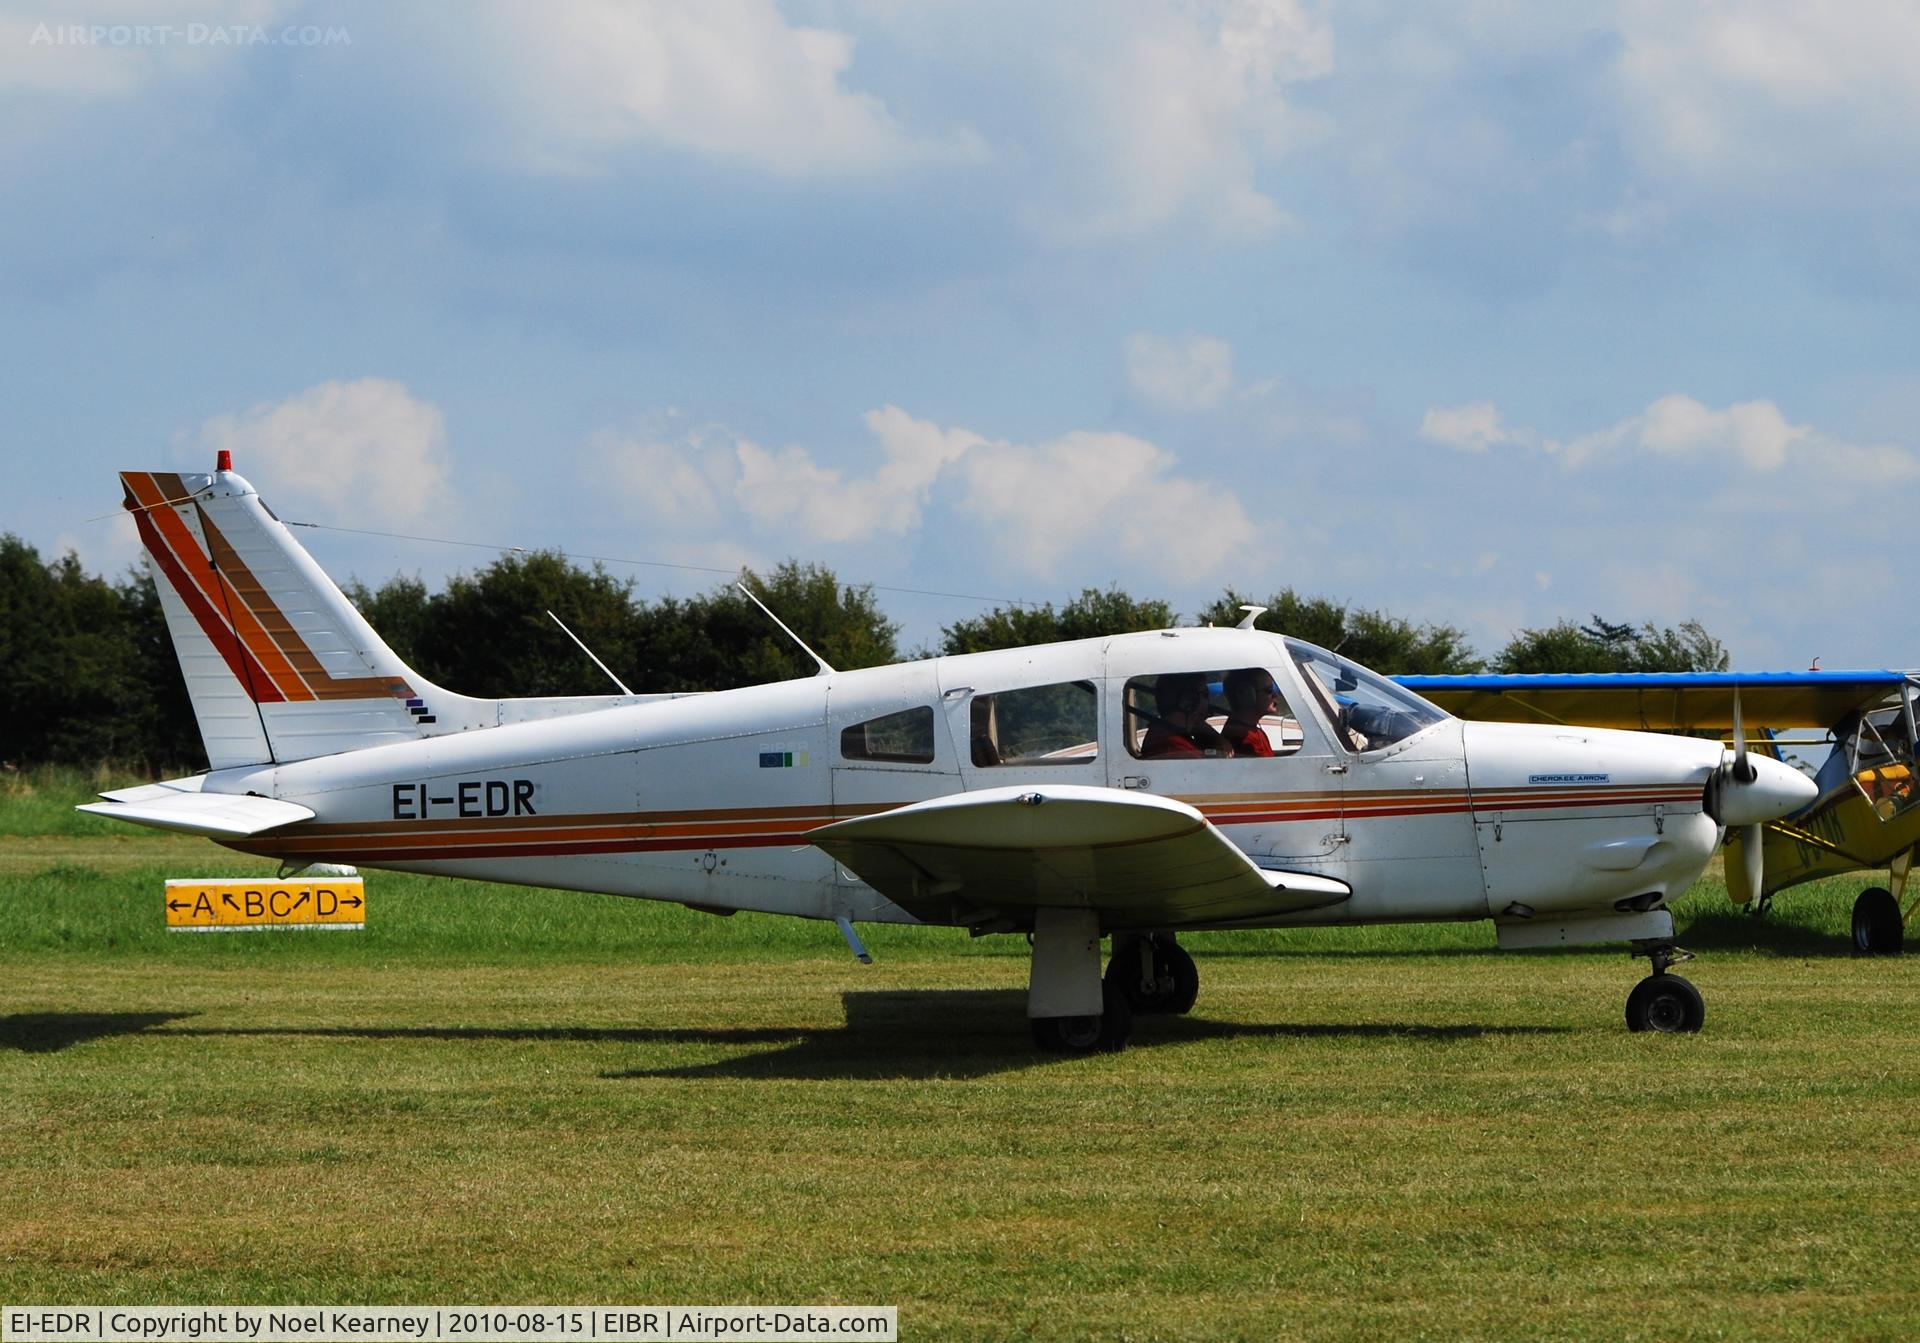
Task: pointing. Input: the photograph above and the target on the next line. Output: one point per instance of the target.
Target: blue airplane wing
(1661, 701)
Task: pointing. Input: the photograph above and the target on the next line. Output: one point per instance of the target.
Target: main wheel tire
(1182, 971)
(1176, 979)
(1665, 1003)
(1106, 1033)
(1877, 929)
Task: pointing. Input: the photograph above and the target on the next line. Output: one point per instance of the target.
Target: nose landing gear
(1664, 1001)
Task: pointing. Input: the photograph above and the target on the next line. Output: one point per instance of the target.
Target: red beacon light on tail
(223, 462)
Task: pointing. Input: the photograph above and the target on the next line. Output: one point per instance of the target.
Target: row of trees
(87, 671)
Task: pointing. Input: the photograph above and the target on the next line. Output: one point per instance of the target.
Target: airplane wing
(169, 806)
(1142, 860)
(1661, 701)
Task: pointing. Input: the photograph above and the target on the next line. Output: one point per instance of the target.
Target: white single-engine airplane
(1135, 787)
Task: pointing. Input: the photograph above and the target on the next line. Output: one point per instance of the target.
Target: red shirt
(1247, 740)
(1164, 741)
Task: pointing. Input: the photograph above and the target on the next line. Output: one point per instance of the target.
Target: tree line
(87, 672)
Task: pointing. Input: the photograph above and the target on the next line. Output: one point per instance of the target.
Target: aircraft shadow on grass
(916, 1034)
(1720, 929)
(1733, 929)
(51, 1032)
(888, 1034)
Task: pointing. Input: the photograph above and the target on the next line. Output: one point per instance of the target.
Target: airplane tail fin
(278, 663)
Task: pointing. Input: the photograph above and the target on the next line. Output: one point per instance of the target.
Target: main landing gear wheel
(1663, 1002)
(1155, 975)
(1103, 1034)
(1877, 929)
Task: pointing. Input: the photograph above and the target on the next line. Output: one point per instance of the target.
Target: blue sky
(1484, 313)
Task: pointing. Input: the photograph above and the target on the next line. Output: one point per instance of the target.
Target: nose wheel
(1664, 1001)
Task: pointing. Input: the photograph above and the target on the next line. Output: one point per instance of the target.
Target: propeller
(1747, 791)
(1752, 858)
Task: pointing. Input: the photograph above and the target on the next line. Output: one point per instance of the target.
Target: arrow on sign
(353, 900)
(228, 900)
(178, 904)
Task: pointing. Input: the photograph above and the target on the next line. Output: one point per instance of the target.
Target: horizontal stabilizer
(218, 815)
(1140, 859)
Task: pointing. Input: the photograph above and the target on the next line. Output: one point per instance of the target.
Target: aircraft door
(888, 749)
(1029, 721)
(1410, 828)
(1410, 844)
(1236, 742)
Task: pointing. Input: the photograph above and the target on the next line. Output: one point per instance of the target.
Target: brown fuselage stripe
(739, 828)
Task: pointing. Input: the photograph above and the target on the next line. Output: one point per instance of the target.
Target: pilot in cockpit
(1251, 696)
(1180, 726)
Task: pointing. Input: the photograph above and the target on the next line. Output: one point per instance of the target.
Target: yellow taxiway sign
(226, 905)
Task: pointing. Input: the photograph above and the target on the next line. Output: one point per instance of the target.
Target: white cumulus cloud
(1752, 437)
(1756, 96)
(366, 450)
(1031, 505)
(1171, 114)
(1193, 372)
(1087, 491)
(1475, 427)
(729, 79)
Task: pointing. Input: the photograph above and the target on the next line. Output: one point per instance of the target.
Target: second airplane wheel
(1103, 1034)
(1665, 1003)
(1179, 968)
(1175, 983)
(1877, 929)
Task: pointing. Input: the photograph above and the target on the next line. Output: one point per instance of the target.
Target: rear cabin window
(903, 738)
(1237, 712)
(1039, 725)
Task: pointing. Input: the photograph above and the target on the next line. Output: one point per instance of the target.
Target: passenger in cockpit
(1180, 726)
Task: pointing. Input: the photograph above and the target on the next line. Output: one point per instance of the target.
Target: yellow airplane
(1864, 817)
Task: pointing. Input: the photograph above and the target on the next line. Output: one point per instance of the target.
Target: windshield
(1369, 711)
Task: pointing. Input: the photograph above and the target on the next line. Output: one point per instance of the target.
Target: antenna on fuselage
(1253, 613)
(825, 670)
(590, 653)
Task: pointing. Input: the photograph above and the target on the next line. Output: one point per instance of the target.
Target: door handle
(1134, 781)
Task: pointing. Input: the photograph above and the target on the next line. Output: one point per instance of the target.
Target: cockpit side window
(1212, 714)
(1881, 754)
(1368, 712)
(905, 737)
(1036, 725)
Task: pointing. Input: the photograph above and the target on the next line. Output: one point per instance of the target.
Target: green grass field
(499, 1095)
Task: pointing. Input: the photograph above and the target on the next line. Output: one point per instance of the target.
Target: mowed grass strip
(500, 1095)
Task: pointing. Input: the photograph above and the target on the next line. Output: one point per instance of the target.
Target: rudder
(278, 663)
